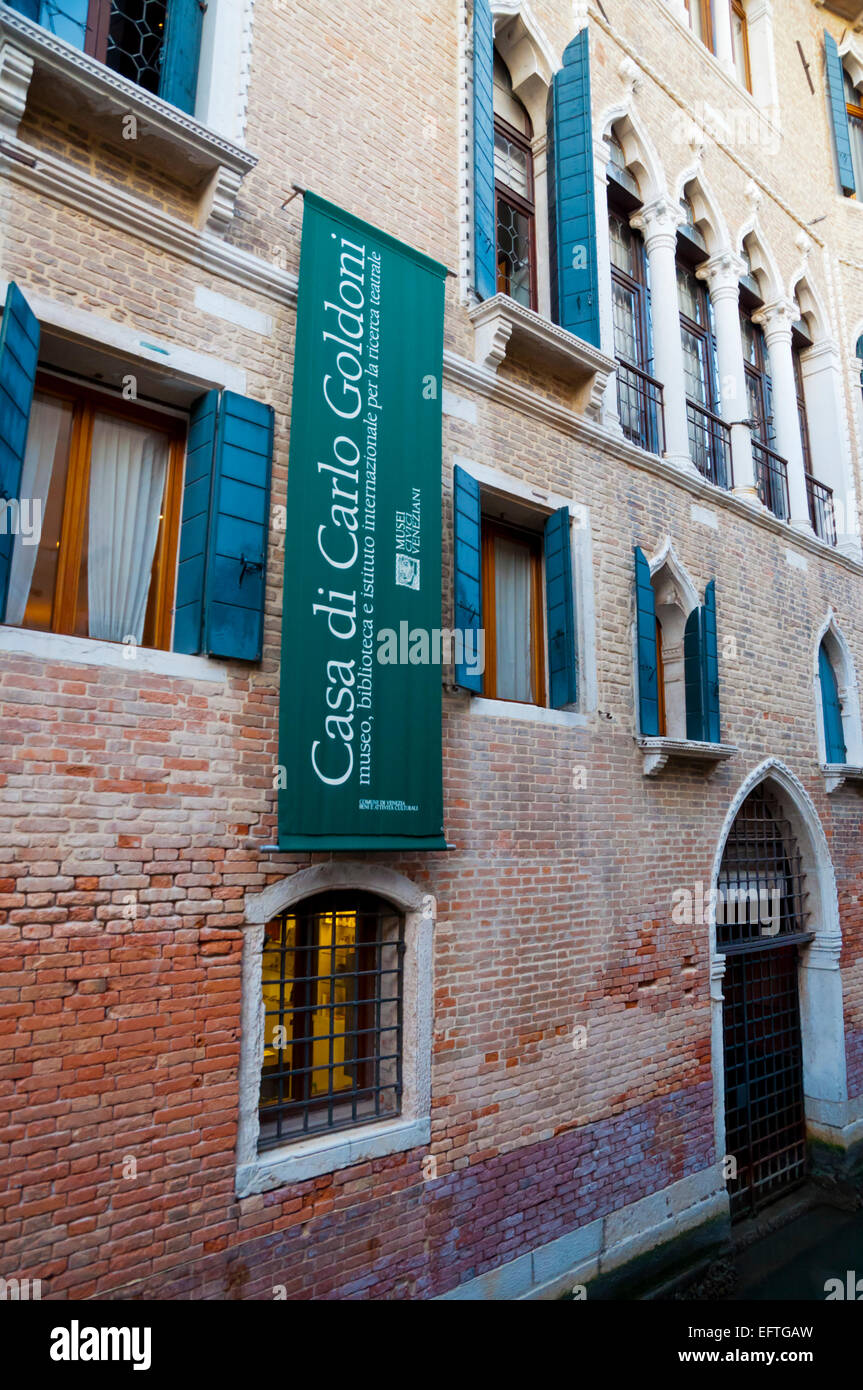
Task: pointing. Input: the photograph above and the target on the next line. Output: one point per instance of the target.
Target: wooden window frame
(738, 10)
(802, 412)
(98, 24)
(637, 286)
(86, 403)
(491, 530)
(526, 206)
(705, 8)
(704, 332)
(759, 374)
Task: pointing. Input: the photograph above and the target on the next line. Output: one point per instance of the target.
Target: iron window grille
(761, 889)
(332, 979)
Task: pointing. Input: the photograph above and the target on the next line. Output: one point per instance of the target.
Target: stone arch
(851, 53)
(257, 1172)
(842, 662)
(639, 151)
(528, 56)
(821, 1009)
(811, 305)
(765, 267)
(708, 218)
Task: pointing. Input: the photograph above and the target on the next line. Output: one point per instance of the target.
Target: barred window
(333, 973)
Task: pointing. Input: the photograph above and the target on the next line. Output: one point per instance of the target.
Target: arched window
(514, 192)
(854, 104)
(332, 980)
(708, 437)
(761, 923)
(831, 706)
(639, 396)
(771, 470)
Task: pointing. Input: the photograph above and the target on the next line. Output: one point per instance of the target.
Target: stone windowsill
(60, 78)
(89, 651)
(836, 774)
(658, 751)
(312, 1158)
(504, 328)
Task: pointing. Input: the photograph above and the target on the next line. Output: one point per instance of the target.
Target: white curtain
(512, 580)
(46, 419)
(128, 467)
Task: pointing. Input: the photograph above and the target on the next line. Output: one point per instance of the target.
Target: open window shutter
(484, 215)
(694, 644)
(19, 354)
(645, 612)
(467, 567)
(560, 610)
(239, 529)
(194, 528)
(572, 214)
(181, 52)
(834, 736)
(221, 580)
(711, 665)
(65, 18)
(839, 114)
(29, 8)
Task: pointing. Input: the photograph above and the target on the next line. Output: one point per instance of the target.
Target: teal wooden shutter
(194, 528)
(834, 735)
(239, 529)
(839, 114)
(571, 203)
(711, 665)
(19, 354)
(467, 568)
(65, 18)
(645, 614)
(221, 583)
(693, 676)
(560, 610)
(484, 214)
(181, 52)
(29, 8)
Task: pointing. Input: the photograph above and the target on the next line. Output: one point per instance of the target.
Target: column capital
(723, 273)
(777, 319)
(658, 222)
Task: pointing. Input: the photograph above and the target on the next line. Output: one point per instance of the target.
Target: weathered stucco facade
(567, 1108)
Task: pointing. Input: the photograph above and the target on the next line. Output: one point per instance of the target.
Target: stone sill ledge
(657, 752)
(503, 327)
(76, 85)
(836, 774)
(312, 1158)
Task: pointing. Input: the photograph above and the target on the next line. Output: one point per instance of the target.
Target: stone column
(777, 319)
(658, 223)
(722, 274)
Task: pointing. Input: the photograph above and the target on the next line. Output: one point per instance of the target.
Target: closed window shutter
(711, 665)
(19, 354)
(560, 610)
(181, 53)
(834, 735)
(30, 8)
(467, 568)
(194, 529)
(839, 114)
(221, 583)
(571, 204)
(645, 612)
(484, 215)
(694, 644)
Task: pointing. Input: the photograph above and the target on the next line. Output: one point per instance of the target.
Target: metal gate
(760, 927)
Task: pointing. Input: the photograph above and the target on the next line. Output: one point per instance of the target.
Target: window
(332, 981)
(514, 193)
(854, 105)
(701, 20)
(740, 45)
(153, 43)
(513, 614)
(639, 396)
(831, 707)
(709, 439)
(771, 470)
(106, 479)
(677, 654)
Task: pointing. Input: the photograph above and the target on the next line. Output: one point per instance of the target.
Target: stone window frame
(327, 1153)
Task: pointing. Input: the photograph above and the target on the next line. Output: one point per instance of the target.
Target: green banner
(360, 739)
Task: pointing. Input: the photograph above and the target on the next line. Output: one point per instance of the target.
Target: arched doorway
(762, 927)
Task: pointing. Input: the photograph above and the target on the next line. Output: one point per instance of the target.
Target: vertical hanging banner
(360, 739)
